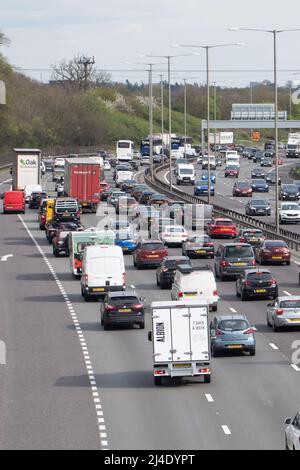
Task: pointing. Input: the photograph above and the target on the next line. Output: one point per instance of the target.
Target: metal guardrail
(6, 167)
(291, 238)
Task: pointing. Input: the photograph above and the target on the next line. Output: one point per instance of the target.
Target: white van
(195, 283)
(103, 270)
(31, 188)
(232, 159)
(185, 174)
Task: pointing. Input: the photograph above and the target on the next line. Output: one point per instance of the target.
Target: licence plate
(183, 364)
(125, 310)
(296, 320)
(200, 251)
(239, 264)
(234, 346)
(152, 256)
(98, 289)
(276, 257)
(260, 291)
(192, 294)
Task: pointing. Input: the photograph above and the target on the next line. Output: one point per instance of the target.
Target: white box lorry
(181, 340)
(26, 168)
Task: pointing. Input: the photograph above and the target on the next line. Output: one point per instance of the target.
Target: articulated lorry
(181, 340)
(293, 145)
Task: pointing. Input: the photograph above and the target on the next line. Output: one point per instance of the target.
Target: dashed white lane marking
(273, 346)
(286, 293)
(209, 398)
(232, 310)
(226, 430)
(132, 286)
(295, 367)
(89, 368)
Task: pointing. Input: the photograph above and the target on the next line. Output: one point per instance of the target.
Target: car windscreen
(290, 207)
(290, 304)
(242, 185)
(290, 188)
(153, 246)
(261, 182)
(238, 252)
(233, 325)
(258, 202)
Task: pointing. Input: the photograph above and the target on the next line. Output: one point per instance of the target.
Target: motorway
(70, 384)
(223, 189)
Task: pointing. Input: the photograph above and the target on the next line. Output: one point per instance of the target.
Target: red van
(14, 201)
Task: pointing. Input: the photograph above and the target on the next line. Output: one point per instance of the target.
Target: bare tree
(4, 39)
(79, 72)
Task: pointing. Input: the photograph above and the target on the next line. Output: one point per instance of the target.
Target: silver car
(232, 333)
(284, 312)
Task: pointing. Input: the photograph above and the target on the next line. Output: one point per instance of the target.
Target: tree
(4, 39)
(79, 72)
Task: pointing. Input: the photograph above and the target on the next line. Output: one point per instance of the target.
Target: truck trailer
(82, 181)
(181, 340)
(26, 168)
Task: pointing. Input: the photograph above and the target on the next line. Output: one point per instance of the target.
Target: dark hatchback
(35, 199)
(53, 227)
(266, 162)
(289, 192)
(128, 185)
(145, 197)
(165, 273)
(61, 243)
(256, 283)
(258, 207)
(122, 308)
(258, 173)
(260, 186)
(271, 178)
(198, 247)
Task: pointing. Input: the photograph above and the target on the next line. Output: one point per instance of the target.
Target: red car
(273, 251)
(149, 253)
(222, 228)
(232, 171)
(242, 188)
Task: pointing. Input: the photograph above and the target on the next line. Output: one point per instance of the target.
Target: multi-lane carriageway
(68, 384)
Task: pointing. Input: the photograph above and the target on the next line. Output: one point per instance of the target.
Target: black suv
(256, 283)
(122, 308)
(258, 207)
(35, 199)
(165, 273)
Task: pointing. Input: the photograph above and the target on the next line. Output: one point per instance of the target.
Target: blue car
(204, 176)
(201, 188)
(260, 185)
(126, 241)
(232, 333)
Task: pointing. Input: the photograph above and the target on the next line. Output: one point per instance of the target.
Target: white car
(292, 433)
(289, 212)
(106, 165)
(173, 235)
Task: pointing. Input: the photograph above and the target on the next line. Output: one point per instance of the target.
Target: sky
(43, 33)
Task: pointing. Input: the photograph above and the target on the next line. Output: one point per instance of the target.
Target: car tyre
(142, 325)
(275, 328)
(207, 379)
(243, 296)
(157, 381)
(214, 352)
(252, 351)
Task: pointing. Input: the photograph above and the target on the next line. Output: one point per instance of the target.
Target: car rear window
(153, 246)
(290, 304)
(172, 263)
(259, 276)
(256, 234)
(238, 252)
(278, 243)
(223, 222)
(233, 325)
(121, 301)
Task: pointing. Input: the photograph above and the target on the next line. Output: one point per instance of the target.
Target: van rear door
(104, 271)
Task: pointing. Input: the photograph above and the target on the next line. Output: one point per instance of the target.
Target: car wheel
(214, 352)
(157, 380)
(268, 321)
(288, 263)
(222, 277)
(252, 351)
(157, 281)
(243, 296)
(214, 308)
(142, 325)
(275, 328)
(106, 327)
(237, 293)
(56, 253)
(207, 379)
(286, 444)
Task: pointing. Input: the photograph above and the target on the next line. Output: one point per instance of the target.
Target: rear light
(77, 264)
(165, 270)
(204, 371)
(253, 262)
(124, 279)
(242, 239)
(159, 372)
(247, 283)
(279, 311)
(180, 294)
(224, 263)
(219, 333)
(109, 308)
(215, 292)
(137, 306)
(86, 279)
(77, 214)
(250, 331)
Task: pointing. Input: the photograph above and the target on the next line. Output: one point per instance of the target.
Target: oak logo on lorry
(28, 163)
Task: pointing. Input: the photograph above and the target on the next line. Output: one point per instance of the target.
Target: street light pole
(170, 123)
(184, 80)
(151, 120)
(215, 113)
(274, 32)
(162, 108)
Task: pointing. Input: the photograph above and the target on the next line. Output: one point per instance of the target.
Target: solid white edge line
(89, 368)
